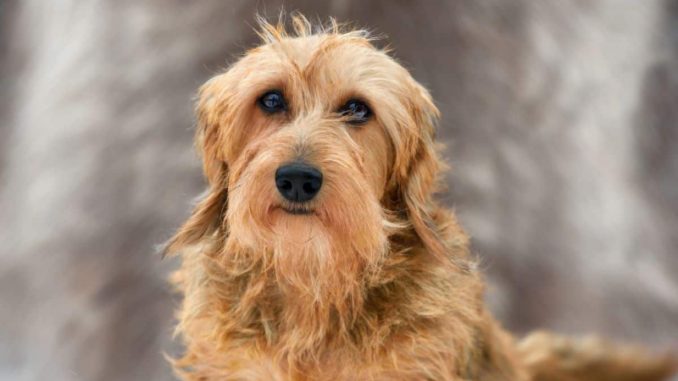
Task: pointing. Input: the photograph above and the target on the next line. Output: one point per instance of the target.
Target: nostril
(286, 185)
(309, 187)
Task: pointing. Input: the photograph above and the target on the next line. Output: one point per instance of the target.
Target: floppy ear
(208, 214)
(418, 176)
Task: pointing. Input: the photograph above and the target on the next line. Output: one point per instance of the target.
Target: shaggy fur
(376, 282)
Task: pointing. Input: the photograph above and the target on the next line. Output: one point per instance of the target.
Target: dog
(319, 251)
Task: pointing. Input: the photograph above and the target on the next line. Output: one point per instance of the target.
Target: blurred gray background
(561, 119)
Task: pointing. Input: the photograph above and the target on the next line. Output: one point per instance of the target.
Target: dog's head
(317, 147)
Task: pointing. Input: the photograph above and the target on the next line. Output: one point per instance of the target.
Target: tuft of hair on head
(301, 26)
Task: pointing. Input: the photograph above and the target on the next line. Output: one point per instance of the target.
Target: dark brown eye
(355, 111)
(272, 102)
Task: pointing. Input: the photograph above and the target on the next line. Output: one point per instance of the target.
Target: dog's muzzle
(298, 182)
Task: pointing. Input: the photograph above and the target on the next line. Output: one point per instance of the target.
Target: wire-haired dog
(318, 252)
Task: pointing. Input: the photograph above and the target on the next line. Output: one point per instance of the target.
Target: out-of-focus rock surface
(561, 119)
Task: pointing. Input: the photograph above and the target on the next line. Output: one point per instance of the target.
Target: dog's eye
(272, 102)
(355, 111)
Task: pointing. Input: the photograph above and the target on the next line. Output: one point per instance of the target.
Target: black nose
(298, 182)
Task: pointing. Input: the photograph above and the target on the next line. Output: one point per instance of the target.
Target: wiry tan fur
(377, 283)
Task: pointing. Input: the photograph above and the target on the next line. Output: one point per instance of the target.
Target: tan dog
(318, 252)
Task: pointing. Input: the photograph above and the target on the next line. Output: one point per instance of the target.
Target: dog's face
(316, 148)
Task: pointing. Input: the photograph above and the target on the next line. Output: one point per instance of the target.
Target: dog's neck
(275, 297)
(314, 287)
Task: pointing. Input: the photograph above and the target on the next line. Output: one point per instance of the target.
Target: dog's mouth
(298, 210)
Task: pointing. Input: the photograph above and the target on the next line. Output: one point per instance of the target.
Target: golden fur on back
(376, 282)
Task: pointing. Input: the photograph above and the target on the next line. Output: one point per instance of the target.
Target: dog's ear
(417, 170)
(206, 218)
(208, 214)
(211, 109)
